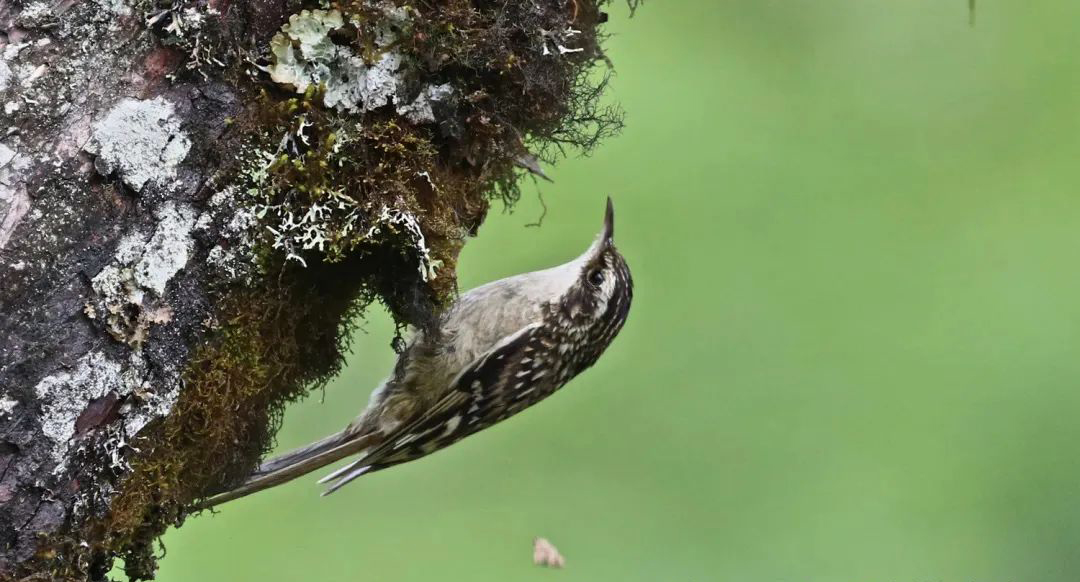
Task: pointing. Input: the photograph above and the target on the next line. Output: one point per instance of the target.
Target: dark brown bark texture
(196, 197)
(62, 215)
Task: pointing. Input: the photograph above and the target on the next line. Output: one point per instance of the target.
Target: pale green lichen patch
(352, 78)
(303, 52)
(311, 29)
(304, 55)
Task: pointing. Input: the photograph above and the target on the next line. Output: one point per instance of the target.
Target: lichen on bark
(254, 175)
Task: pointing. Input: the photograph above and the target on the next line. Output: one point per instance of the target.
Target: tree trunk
(195, 198)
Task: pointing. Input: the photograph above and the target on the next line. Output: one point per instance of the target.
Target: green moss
(324, 179)
(272, 344)
(329, 189)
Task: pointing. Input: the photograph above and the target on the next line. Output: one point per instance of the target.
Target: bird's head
(598, 298)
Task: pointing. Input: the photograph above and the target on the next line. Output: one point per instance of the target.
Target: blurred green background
(854, 228)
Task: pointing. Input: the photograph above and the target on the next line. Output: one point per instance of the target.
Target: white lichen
(12, 50)
(168, 249)
(238, 227)
(147, 406)
(5, 75)
(14, 201)
(298, 232)
(113, 284)
(189, 19)
(420, 110)
(141, 140)
(29, 74)
(400, 220)
(344, 215)
(185, 31)
(309, 232)
(117, 7)
(65, 395)
(7, 405)
(6, 155)
(354, 86)
(129, 290)
(36, 14)
(558, 39)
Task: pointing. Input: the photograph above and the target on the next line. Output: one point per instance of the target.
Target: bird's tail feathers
(339, 478)
(295, 464)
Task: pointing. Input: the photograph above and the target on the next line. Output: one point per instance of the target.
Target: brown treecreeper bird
(501, 348)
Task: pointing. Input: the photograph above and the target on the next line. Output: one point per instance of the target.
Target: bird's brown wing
(506, 379)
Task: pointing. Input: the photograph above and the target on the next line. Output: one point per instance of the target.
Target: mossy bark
(195, 202)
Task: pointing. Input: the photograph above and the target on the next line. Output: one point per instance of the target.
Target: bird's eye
(596, 277)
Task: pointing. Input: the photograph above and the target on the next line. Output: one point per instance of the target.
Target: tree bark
(195, 198)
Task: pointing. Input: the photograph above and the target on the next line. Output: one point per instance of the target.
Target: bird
(497, 350)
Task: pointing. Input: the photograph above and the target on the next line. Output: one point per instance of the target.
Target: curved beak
(608, 234)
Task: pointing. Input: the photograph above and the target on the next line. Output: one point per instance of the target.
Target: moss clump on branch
(524, 70)
(366, 195)
(430, 123)
(271, 345)
(333, 188)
